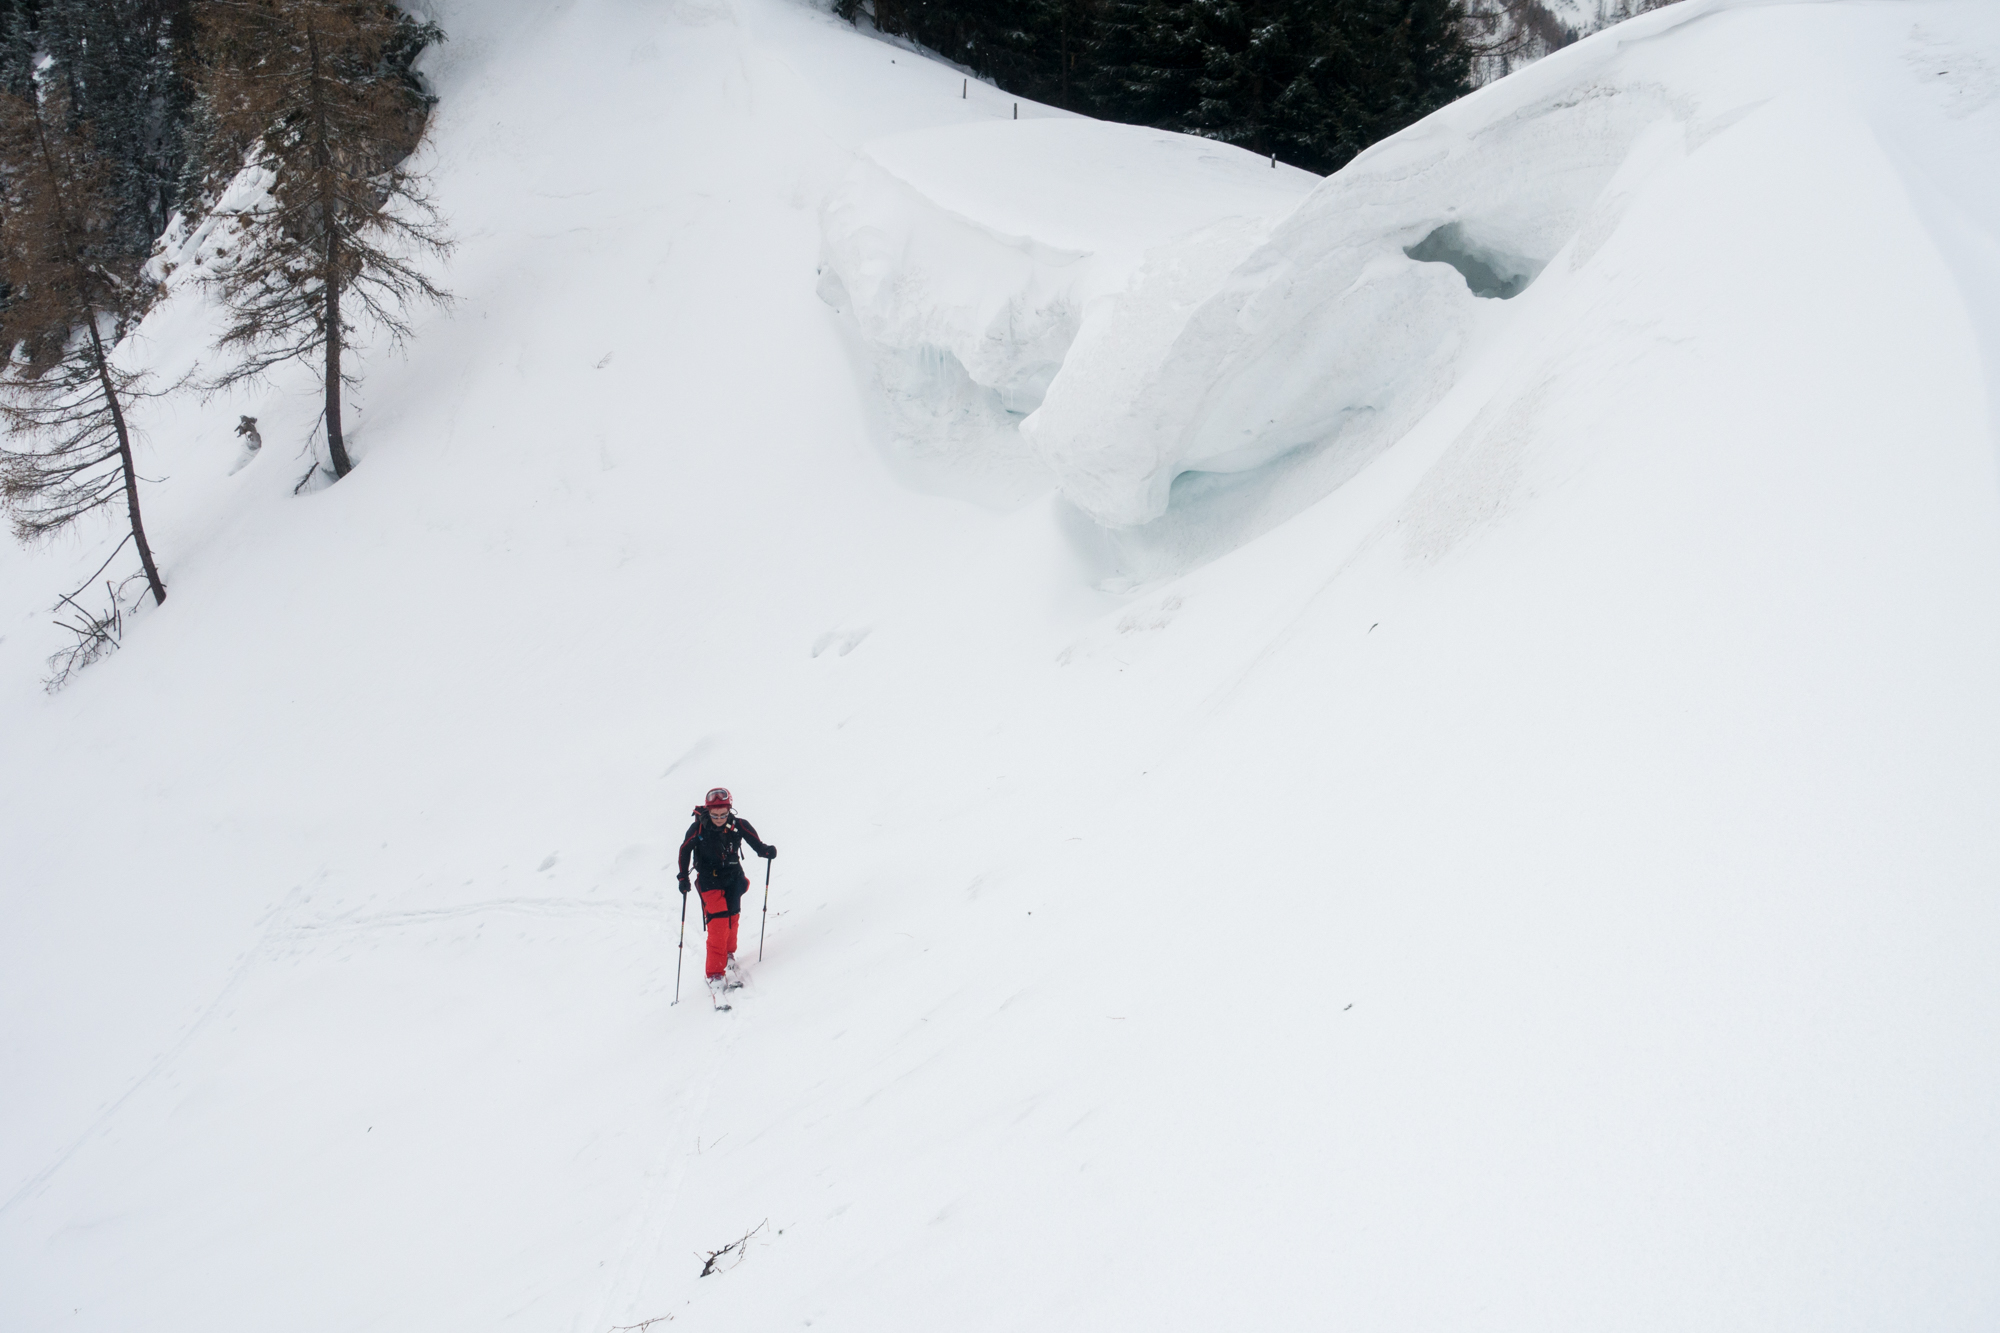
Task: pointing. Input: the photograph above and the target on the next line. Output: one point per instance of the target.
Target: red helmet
(718, 798)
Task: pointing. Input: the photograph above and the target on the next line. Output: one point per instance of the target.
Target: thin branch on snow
(739, 1247)
(61, 598)
(96, 636)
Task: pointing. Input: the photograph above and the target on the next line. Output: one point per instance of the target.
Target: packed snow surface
(1446, 781)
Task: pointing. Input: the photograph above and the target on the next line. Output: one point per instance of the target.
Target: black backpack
(706, 828)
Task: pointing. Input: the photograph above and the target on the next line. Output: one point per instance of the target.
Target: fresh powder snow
(1411, 751)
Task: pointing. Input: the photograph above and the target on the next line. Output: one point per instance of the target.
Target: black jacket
(717, 850)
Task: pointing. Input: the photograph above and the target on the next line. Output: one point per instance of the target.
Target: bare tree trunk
(336, 442)
(125, 462)
(102, 366)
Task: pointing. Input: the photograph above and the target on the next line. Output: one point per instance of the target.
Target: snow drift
(1353, 318)
(970, 257)
(1345, 321)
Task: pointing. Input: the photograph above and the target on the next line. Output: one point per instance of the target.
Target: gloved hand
(684, 883)
(770, 852)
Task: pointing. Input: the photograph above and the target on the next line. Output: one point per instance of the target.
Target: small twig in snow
(738, 1247)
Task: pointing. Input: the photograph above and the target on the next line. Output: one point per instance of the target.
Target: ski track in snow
(642, 1251)
(164, 1061)
(283, 939)
(308, 932)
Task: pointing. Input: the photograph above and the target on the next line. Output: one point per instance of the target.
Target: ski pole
(767, 909)
(680, 950)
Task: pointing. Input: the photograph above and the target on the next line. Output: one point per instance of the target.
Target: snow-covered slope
(1546, 881)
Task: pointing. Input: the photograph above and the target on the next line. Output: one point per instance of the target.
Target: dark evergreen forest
(123, 67)
(131, 75)
(1312, 82)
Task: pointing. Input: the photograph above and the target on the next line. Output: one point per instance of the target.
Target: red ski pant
(721, 929)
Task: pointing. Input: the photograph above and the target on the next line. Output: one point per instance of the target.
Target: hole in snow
(1487, 272)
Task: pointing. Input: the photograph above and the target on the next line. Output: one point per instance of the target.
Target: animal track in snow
(1150, 617)
(842, 641)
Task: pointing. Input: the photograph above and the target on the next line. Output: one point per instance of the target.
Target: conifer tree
(123, 65)
(1254, 88)
(997, 38)
(1311, 81)
(72, 282)
(1388, 64)
(1038, 48)
(1141, 64)
(1316, 81)
(20, 21)
(1062, 36)
(320, 93)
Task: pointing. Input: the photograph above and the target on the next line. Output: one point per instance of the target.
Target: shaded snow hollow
(1517, 853)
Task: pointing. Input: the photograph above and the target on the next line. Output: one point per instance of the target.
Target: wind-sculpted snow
(1012, 276)
(1332, 324)
(971, 257)
(1147, 345)
(969, 325)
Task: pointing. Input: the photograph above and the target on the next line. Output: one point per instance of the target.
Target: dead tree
(71, 287)
(317, 94)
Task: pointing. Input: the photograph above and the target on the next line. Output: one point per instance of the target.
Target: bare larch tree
(317, 94)
(72, 282)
